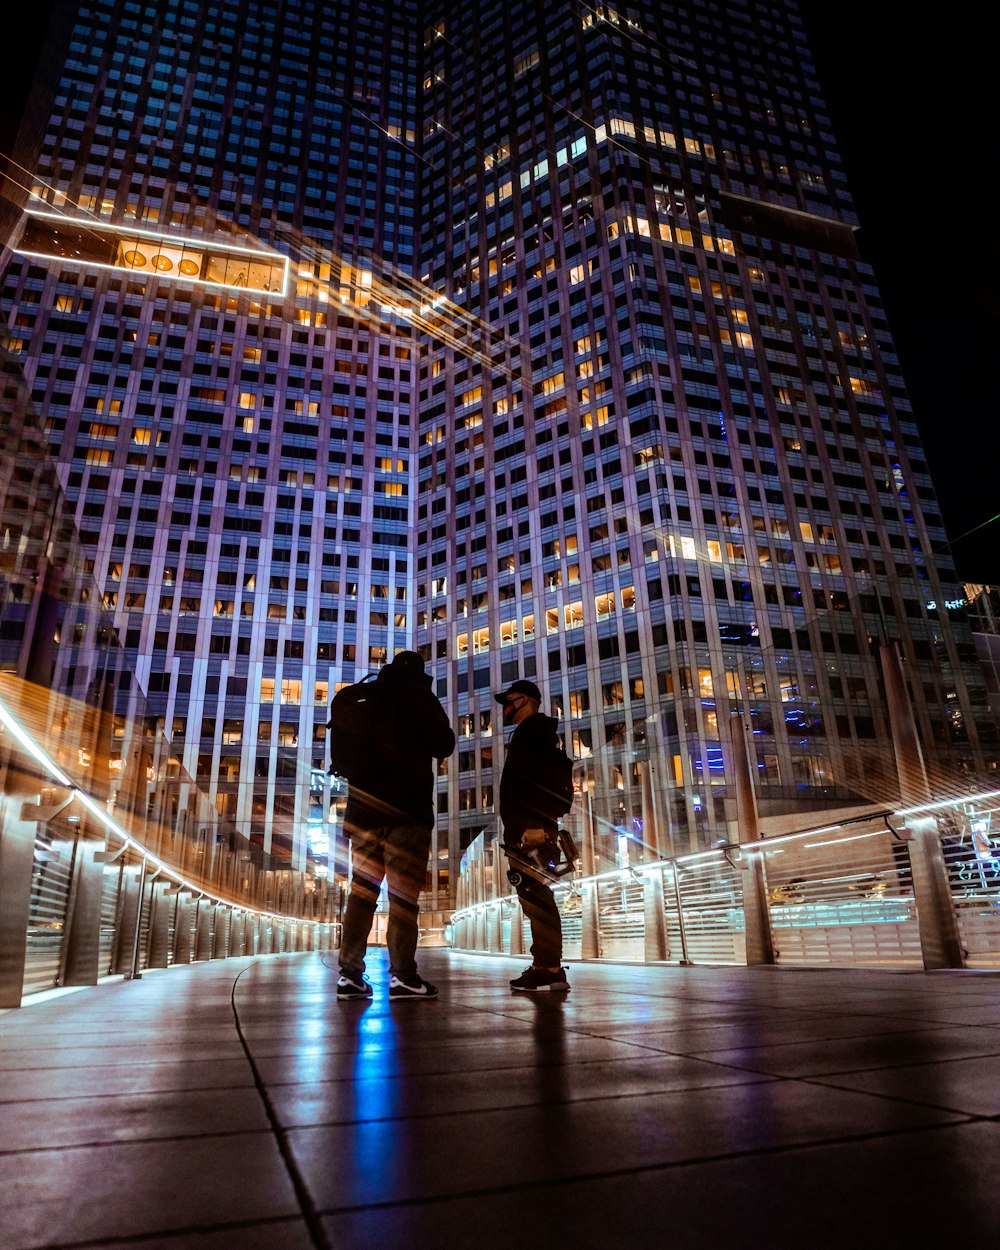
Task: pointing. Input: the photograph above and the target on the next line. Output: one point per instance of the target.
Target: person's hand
(534, 837)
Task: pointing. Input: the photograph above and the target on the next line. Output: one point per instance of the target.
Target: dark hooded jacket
(529, 782)
(397, 783)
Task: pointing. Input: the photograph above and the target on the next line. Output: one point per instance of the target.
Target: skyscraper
(534, 336)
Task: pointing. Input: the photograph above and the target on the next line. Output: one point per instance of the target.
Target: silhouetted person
(398, 730)
(530, 806)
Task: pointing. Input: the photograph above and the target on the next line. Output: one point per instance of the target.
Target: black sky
(913, 100)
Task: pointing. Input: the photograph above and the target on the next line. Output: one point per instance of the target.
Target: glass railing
(862, 892)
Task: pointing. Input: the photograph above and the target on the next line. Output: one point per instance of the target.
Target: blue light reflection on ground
(377, 1148)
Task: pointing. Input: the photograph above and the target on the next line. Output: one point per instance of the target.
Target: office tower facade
(532, 336)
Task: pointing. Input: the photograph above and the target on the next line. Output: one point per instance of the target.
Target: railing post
(17, 859)
(681, 928)
(516, 927)
(238, 934)
(203, 929)
(161, 906)
(133, 973)
(220, 940)
(184, 922)
(756, 916)
(654, 917)
(590, 940)
(82, 942)
(756, 913)
(129, 918)
(940, 940)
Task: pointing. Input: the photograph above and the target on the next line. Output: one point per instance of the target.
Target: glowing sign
(103, 245)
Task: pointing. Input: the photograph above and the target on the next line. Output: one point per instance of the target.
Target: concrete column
(655, 917)
(494, 930)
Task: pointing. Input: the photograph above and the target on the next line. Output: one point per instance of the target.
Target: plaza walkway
(237, 1104)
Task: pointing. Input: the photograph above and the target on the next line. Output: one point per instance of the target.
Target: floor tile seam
(776, 1046)
(140, 1065)
(478, 1112)
(594, 1175)
(135, 1141)
(627, 1040)
(300, 1187)
(103, 1095)
(812, 1076)
(898, 1099)
(188, 1230)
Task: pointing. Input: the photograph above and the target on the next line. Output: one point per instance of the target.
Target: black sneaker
(410, 987)
(534, 980)
(353, 985)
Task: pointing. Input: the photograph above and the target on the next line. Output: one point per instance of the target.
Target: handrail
(163, 869)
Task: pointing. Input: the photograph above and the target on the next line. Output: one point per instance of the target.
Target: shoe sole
(351, 998)
(409, 998)
(538, 989)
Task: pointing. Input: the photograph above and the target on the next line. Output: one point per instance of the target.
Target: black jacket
(413, 731)
(528, 781)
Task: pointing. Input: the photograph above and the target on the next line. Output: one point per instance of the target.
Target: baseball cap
(519, 687)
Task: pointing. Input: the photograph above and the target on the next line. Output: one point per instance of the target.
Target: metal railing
(141, 876)
(862, 892)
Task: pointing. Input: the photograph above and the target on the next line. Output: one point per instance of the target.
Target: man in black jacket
(529, 808)
(389, 818)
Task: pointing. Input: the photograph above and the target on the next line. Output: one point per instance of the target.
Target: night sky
(913, 98)
(914, 106)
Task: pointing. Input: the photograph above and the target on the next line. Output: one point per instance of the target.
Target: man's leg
(406, 850)
(367, 871)
(542, 911)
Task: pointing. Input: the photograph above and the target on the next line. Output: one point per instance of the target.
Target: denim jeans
(398, 852)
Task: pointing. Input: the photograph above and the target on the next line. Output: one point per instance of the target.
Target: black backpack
(355, 723)
(562, 782)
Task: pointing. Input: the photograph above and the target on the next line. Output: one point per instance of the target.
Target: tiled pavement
(652, 1106)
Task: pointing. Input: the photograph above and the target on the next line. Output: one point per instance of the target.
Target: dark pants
(400, 853)
(542, 911)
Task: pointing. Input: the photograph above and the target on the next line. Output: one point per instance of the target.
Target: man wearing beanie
(399, 729)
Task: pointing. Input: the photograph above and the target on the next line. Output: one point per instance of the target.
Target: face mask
(508, 711)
